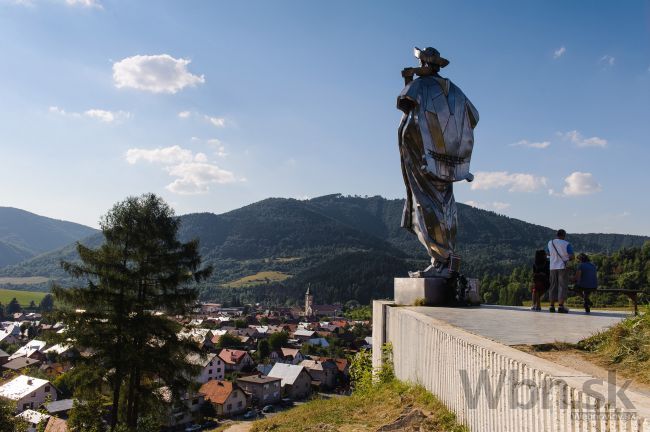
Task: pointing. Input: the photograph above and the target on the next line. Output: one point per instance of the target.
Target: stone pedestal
(421, 291)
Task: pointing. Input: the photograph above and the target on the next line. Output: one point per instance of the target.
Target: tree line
(628, 268)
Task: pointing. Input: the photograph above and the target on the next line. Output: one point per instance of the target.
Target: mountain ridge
(341, 245)
(24, 234)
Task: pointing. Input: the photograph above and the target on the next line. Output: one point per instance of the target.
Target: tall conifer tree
(141, 269)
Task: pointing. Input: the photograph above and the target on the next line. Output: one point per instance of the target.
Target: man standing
(560, 253)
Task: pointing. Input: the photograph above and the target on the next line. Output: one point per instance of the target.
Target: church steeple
(309, 302)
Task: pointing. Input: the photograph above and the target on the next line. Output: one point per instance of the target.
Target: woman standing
(541, 280)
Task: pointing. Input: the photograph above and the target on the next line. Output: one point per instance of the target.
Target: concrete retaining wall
(493, 388)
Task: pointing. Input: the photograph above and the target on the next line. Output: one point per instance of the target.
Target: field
(257, 279)
(31, 280)
(23, 297)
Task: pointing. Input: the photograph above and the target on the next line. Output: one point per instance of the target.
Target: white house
(33, 418)
(296, 381)
(212, 367)
(8, 338)
(29, 349)
(27, 392)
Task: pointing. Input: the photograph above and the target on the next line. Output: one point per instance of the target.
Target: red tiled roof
(217, 391)
(341, 363)
(231, 356)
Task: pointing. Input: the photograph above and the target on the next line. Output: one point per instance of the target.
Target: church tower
(309, 302)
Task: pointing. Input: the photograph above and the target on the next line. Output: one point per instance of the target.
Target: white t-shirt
(559, 260)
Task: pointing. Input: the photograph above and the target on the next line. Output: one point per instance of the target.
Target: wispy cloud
(559, 52)
(96, 4)
(85, 3)
(579, 140)
(607, 60)
(95, 113)
(495, 205)
(219, 148)
(155, 73)
(578, 184)
(165, 155)
(532, 144)
(514, 182)
(194, 173)
(216, 121)
(184, 114)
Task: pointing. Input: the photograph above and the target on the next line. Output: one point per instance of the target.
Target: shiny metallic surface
(436, 140)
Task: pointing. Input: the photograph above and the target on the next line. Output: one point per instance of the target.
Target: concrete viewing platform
(465, 356)
(512, 325)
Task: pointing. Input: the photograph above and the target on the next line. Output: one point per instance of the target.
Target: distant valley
(344, 247)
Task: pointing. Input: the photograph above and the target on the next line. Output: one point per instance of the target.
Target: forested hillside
(628, 268)
(24, 235)
(345, 247)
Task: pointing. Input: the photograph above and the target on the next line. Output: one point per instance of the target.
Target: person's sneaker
(562, 309)
(551, 309)
(538, 308)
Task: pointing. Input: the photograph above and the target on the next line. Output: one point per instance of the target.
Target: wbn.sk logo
(507, 387)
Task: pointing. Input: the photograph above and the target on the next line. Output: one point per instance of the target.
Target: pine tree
(47, 303)
(13, 307)
(140, 269)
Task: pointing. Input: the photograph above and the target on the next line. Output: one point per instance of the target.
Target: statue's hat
(430, 56)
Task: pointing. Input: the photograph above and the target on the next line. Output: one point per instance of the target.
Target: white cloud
(576, 138)
(194, 173)
(160, 73)
(166, 155)
(184, 114)
(495, 205)
(529, 144)
(498, 205)
(515, 182)
(607, 60)
(107, 116)
(219, 148)
(559, 52)
(216, 121)
(81, 3)
(95, 113)
(196, 177)
(580, 183)
(85, 3)
(62, 112)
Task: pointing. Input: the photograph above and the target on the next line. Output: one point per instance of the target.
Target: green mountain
(24, 235)
(345, 247)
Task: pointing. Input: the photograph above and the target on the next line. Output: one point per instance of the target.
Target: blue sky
(214, 105)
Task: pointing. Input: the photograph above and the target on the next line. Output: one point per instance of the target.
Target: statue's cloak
(436, 140)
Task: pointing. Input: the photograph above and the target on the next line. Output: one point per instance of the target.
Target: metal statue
(435, 141)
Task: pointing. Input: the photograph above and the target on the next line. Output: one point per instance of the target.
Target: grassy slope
(363, 412)
(23, 297)
(257, 279)
(624, 347)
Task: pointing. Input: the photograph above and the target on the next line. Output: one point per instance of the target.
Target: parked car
(268, 409)
(250, 414)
